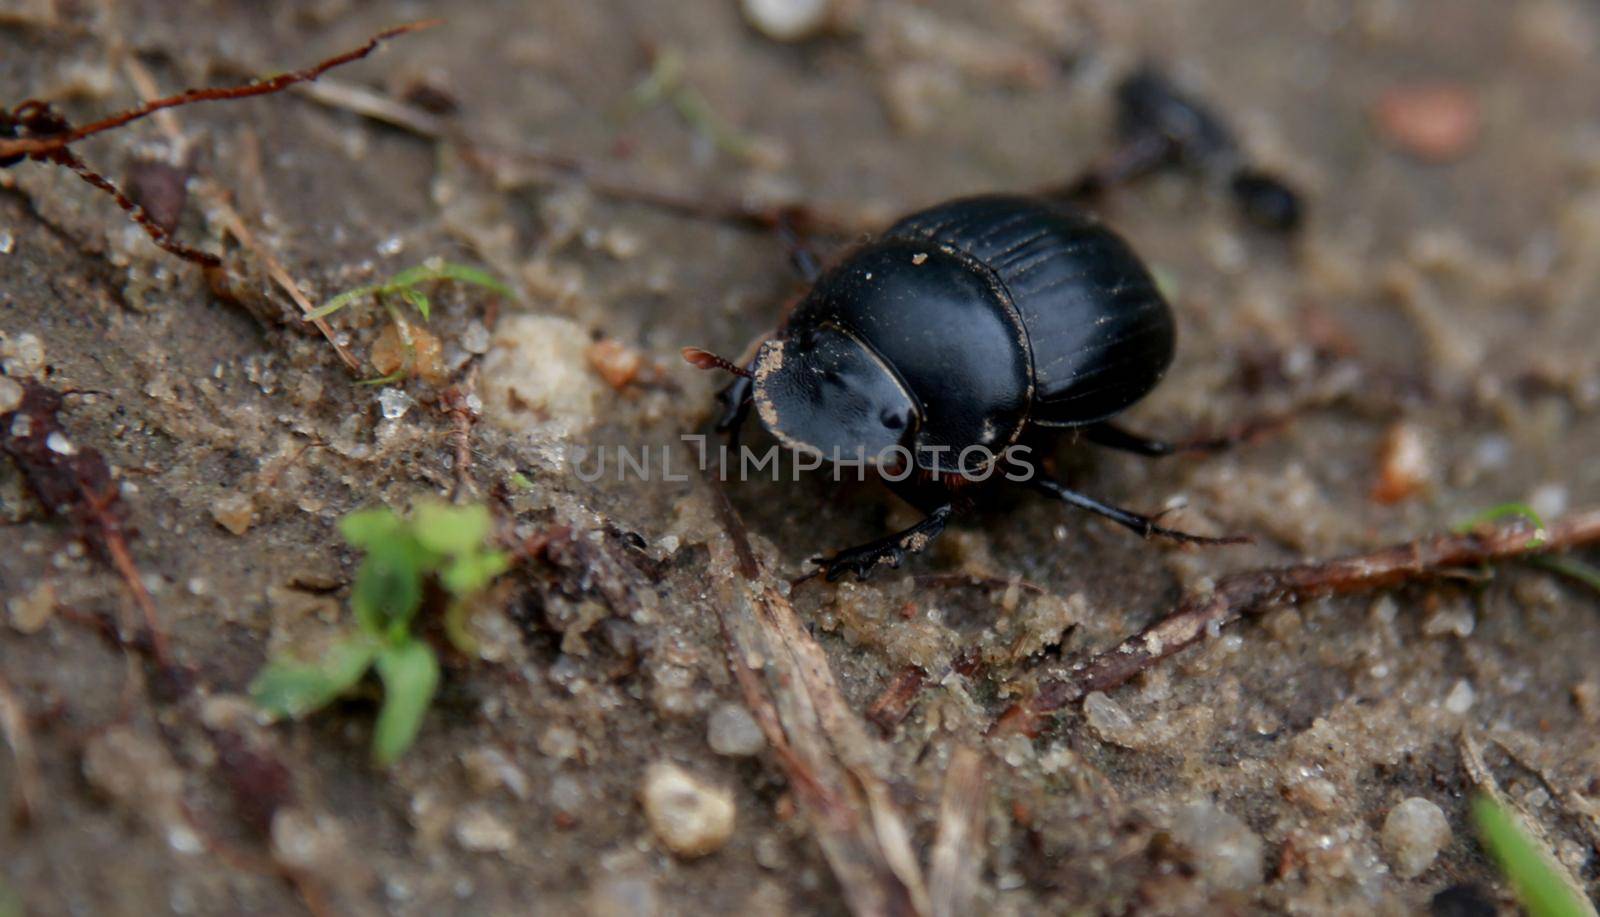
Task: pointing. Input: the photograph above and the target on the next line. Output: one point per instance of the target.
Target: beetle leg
(1114, 437)
(805, 260)
(862, 560)
(1144, 525)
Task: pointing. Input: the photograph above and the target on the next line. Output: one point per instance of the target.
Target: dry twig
(1250, 592)
(833, 765)
(75, 482)
(33, 130)
(14, 726)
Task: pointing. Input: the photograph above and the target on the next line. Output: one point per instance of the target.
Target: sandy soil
(1447, 304)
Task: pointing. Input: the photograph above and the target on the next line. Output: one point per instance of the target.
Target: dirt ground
(1436, 318)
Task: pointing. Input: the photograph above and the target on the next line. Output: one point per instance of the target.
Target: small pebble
(30, 611)
(1413, 834)
(1436, 122)
(479, 830)
(394, 403)
(615, 362)
(1460, 698)
(1404, 464)
(787, 20)
(235, 512)
(22, 356)
(1107, 718)
(1223, 849)
(732, 731)
(10, 395)
(691, 817)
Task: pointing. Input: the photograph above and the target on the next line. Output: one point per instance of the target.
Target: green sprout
(438, 543)
(1506, 511)
(1540, 884)
(668, 82)
(405, 287)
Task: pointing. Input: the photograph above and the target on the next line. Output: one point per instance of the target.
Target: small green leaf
(368, 526)
(1508, 510)
(388, 588)
(521, 481)
(451, 529)
(410, 673)
(1538, 881)
(339, 302)
(291, 688)
(469, 573)
(462, 273)
(1571, 567)
(417, 299)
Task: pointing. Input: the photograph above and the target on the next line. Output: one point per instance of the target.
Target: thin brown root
(14, 726)
(51, 142)
(1239, 594)
(69, 160)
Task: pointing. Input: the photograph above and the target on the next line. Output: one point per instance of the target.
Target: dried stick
(33, 130)
(14, 726)
(1249, 592)
(821, 745)
(57, 140)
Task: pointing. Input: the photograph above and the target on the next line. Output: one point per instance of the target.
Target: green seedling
(438, 543)
(406, 287)
(1506, 511)
(1541, 886)
(668, 83)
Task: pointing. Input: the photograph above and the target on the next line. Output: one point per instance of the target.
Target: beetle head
(824, 391)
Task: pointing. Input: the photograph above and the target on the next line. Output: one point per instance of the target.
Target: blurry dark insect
(34, 130)
(965, 330)
(1159, 127)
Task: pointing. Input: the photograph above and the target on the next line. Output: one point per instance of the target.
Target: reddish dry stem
(67, 159)
(1249, 592)
(36, 146)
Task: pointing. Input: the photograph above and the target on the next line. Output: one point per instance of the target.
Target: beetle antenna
(705, 359)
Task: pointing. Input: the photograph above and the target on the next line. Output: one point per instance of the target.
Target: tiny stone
(478, 830)
(394, 403)
(10, 395)
(489, 769)
(1460, 698)
(1413, 835)
(787, 20)
(58, 443)
(235, 513)
(559, 742)
(30, 612)
(1222, 847)
(1107, 718)
(475, 338)
(691, 817)
(732, 731)
(22, 355)
(7, 243)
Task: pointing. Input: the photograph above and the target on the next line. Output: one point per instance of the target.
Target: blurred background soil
(1434, 326)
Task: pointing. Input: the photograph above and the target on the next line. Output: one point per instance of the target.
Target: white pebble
(732, 731)
(787, 20)
(58, 443)
(478, 830)
(1222, 847)
(691, 817)
(1460, 698)
(394, 403)
(1413, 835)
(10, 395)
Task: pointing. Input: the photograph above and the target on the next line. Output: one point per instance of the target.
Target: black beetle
(964, 330)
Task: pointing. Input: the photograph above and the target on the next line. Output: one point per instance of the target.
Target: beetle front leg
(1144, 525)
(862, 560)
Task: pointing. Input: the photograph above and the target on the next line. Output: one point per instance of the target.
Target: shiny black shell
(1100, 333)
(995, 313)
